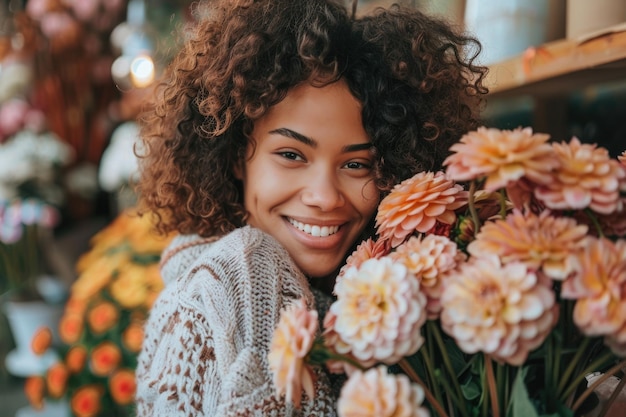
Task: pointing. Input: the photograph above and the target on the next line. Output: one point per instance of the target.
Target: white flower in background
(83, 180)
(118, 165)
(30, 156)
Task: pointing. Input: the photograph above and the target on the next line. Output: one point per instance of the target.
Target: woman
(274, 134)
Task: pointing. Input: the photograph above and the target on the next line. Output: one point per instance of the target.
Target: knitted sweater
(208, 334)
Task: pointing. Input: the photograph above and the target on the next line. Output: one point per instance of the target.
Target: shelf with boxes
(562, 66)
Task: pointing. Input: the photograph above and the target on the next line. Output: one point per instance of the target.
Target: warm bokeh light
(142, 71)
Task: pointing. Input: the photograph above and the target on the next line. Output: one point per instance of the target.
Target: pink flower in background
(599, 287)
(622, 158)
(417, 204)
(540, 241)
(502, 156)
(429, 259)
(12, 117)
(379, 312)
(505, 310)
(376, 393)
(587, 177)
(293, 339)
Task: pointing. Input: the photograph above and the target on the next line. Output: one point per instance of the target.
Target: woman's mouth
(314, 230)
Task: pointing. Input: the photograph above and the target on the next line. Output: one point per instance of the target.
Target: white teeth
(314, 230)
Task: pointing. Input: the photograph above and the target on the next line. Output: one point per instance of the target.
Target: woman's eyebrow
(283, 131)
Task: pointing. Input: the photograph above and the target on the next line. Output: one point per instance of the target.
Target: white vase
(50, 409)
(25, 318)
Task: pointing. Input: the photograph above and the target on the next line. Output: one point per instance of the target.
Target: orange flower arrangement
(101, 328)
(496, 301)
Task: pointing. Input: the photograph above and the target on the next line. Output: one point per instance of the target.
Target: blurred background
(73, 77)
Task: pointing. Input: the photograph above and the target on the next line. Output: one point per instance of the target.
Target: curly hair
(419, 92)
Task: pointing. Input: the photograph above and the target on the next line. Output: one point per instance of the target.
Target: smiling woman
(272, 138)
(308, 178)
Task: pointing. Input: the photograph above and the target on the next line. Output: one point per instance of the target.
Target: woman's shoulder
(246, 255)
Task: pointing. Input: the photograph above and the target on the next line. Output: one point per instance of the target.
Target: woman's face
(307, 178)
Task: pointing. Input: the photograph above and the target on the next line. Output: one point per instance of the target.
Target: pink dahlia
(379, 312)
(587, 178)
(376, 393)
(429, 259)
(501, 156)
(292, 340)
(622, 158)
(417, 204)
(540, 241)
(503, 310)
(599, 287)
(367, 249)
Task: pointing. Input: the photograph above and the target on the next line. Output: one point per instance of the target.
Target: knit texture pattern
(208, 334)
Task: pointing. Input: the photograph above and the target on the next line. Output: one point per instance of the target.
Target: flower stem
(491, 383)
(573, 363)
(590, 368)
(597, 382)
(430, 370)
(434, 331)
(595, 222)
(502, 199)
(472, 207)
(408, 369)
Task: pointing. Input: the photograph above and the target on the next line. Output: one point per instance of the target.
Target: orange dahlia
(41, 341)
(505, 310)
(105, 358)
(70, 327)
(122, 385)
(102, 317)
(501, 156)
(587, 178)
(34, 389)
(56, 379)
(379, 311)
(87, 401)
(292, 340)
(599, 287)
(132, 337)
(429, 259)
(540, 241)
(76, 358)
(417, 204)
(377, 393)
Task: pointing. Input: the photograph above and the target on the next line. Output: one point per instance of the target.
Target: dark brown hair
(418, 88)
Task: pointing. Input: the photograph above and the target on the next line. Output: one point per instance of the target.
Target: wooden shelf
(560, 67)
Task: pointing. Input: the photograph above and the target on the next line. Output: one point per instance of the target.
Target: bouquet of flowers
(501, 298)
(102, 326)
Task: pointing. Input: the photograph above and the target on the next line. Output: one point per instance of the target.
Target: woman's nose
(323, 191)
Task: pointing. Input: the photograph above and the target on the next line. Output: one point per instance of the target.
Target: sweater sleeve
(207, 337)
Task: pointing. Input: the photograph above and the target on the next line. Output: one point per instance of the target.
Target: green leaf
(521, 404)
(471, 390)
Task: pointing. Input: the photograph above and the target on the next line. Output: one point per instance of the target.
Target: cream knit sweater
(207, 337)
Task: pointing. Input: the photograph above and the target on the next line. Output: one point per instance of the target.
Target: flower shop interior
(73, 77)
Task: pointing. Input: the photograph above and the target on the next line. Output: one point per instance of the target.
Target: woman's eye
(357, 165)
(291, 155)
